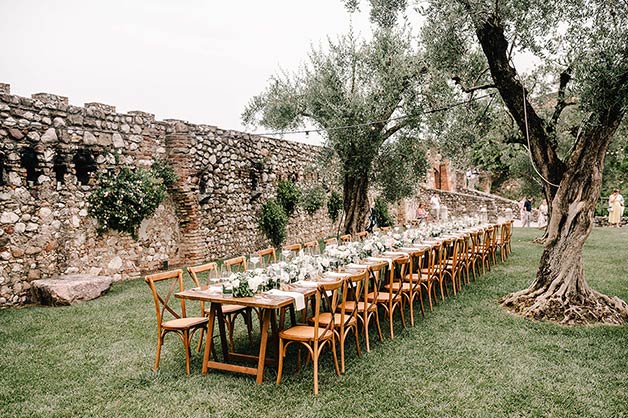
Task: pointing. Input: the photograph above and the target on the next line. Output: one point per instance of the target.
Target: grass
(468, 357)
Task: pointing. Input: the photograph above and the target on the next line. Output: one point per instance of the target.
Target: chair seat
(405, 287)
(423, 278)
(350, 306)
(184, 323)
(304, 333)
(228, 309)
(325, 318)
(382, 297)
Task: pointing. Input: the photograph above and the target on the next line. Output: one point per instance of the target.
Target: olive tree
(582, 47)
(360, 94)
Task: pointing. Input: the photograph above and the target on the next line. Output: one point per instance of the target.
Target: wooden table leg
(262, 348)
(221, 327)
(210, 339)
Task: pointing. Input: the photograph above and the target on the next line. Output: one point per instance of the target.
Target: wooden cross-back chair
(385, 228)
(362, 235)
(427, 274)
(229, 312)
(267, 256)
(312, 247)
(412, 281)
(345, 320)
(295, 248)
(316, 336)
(180, 324)
(454, 264)
(483, 248)
(345, 238)
(330, 241)
(390, 297)
(236, 264)
(503, 240)
(366, 307)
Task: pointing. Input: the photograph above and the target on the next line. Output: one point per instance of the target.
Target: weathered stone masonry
(51, 153)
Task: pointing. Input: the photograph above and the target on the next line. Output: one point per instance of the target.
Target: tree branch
(561, 103)
(458, 82)
(394, 129)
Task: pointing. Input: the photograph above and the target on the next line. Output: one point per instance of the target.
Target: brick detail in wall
(193, 248)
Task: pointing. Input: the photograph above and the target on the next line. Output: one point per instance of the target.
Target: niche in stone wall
(60, 168)
(28, 159)
(2, 170)
(84, 165)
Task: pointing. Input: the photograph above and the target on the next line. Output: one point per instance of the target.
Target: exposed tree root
(547, 304)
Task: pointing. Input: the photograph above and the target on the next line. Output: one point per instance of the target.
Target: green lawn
(468, 357)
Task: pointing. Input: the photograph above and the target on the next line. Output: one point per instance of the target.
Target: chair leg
(280, 366)
(342, 336)
(333, 351)
(160, 340)
(186, 346)
(315, 359)
(365, 324)
(403, 318)
(379, 328)
(357, 341)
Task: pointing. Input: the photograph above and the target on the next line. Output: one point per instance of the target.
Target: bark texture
(355, 202)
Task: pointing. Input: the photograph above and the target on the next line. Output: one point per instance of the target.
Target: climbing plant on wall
(123, 198)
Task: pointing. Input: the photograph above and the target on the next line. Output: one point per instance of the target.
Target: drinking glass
(254, 259)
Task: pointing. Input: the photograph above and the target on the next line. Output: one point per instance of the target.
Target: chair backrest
(353, 288)
(330, 241)
(329, 292)
(397, 273)
(197, 273)
(362, 235)
(376, 277)
(295, 248)
(267, 256)
(456, 250)
(416, 261)
(162, 304)
(345, 238)
(236, 264)
(311, 247)
(443, 253)
(431, 257)
(385, 228)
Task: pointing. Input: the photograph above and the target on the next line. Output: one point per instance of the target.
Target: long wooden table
(267, 306)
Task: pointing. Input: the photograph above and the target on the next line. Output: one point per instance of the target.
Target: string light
(371, 124)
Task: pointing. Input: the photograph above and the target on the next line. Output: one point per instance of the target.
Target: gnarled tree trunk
(560, 291)
(355, 202)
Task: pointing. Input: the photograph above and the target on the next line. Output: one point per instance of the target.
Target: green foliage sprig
(312, 199)
(288, 196)
(273, 222)
(334, 205)
(383, 216)
(122, 200)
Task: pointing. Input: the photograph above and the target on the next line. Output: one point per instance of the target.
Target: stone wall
(467, 202)
(51, 153)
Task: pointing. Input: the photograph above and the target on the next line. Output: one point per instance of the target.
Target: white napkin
(357, 266)
(335, 274)
(304, 283)
(299, 299)
(395, 253)
(378, 260)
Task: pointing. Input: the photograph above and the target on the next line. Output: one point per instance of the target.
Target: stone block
(67, 290)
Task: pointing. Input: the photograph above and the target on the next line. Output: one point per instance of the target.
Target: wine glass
(285, 254)
(254, 259)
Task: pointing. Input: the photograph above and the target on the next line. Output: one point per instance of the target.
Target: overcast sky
(196, 60)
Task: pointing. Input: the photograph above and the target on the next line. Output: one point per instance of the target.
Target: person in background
(435, 207)
(615, 208)
(527, 205)
(421, 213)
(543, 210)
(522, 209)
